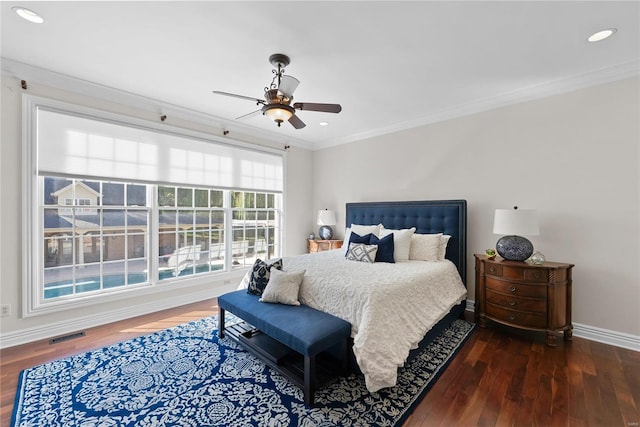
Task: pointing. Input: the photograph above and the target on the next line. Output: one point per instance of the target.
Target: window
(97, 248)
(115, 205)
(192, 228)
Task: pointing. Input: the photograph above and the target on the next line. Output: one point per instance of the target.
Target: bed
(391, 307)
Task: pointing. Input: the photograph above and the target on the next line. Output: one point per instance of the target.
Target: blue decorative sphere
(514, 248)
(325, 232)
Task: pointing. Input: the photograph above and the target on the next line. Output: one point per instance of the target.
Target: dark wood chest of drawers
(524, 295)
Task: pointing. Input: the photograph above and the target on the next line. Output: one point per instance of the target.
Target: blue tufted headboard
(431, 216)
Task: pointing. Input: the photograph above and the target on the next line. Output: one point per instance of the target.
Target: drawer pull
(492, 269)
(512, 289)
(512, 317)
(512, 302)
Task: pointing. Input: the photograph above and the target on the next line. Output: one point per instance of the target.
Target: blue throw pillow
(356, 238)
(260, 274)
(385, 248)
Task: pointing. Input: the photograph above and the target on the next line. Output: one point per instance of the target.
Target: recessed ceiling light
(601, 35)
(27, 14)
(324, 123)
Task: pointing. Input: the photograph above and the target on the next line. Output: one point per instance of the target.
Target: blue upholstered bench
(300, 328)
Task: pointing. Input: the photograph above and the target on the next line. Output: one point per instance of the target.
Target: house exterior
(77, 193)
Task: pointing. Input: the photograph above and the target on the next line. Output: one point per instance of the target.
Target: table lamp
(326, 219)
(512, 223)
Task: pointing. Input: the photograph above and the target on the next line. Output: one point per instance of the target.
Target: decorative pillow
(401, 242)
(356, 238)
(385, 248)
(425, 247)
(260, 275)
(362, 230)
(244, 283)
(443, 247)
(283, 287)
(361, 252)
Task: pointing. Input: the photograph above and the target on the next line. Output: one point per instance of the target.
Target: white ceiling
(390, 64)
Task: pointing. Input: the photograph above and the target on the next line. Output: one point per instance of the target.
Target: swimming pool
(91, 284)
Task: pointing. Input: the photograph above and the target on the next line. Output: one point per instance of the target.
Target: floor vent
(66, 337)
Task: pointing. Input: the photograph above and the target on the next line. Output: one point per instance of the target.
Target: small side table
(317, 245)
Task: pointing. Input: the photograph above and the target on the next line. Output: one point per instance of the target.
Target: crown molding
(556, 87)
(600, 76)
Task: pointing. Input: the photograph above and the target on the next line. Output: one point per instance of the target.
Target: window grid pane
(254, 229)
(90, 238)
(96, 234)
(191, 234)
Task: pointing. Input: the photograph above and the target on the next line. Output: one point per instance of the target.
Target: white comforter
(390, 306)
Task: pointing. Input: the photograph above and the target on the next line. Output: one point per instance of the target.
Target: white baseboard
(606, 336)
(25, 336)
(618, 339)
(592, 333)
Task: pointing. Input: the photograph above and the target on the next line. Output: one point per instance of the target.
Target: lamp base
(325, 232)
(514, 248)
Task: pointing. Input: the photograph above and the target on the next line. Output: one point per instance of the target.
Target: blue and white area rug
(185, 376)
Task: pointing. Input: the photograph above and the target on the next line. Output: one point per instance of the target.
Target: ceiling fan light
(278, 113)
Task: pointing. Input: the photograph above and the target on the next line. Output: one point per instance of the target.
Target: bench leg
(220, 322)
(309, 379)
(345, 356)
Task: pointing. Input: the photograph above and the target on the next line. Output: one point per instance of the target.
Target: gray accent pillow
(283, 287)
(361, 252)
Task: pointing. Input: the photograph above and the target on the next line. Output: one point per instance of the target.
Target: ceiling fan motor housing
(275, 96)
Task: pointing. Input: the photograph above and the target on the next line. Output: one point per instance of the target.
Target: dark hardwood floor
(499, 378)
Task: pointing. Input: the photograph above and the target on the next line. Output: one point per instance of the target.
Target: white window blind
(87, 147)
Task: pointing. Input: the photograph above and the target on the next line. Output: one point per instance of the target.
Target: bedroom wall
(13, 328)
(574, 157)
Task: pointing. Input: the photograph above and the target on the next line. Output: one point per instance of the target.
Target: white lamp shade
(519, 222)
(326, 217)
(288, 85)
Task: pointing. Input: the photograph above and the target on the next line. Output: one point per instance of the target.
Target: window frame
(33, 302)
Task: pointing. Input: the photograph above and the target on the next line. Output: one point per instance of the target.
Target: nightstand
(523, 295)
(317, 245)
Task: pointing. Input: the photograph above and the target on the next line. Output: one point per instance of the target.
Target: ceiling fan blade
(288, 85)
(259, 101)
(325, 108)
(251, 114)
(296, 122)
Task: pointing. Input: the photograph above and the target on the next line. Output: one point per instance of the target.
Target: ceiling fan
(279, 95)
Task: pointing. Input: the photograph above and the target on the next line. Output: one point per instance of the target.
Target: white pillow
(283, 287)
(361, 252)
(244, 283)
(443, 247)
(361, 230)
(425, 247)
(401, 242)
